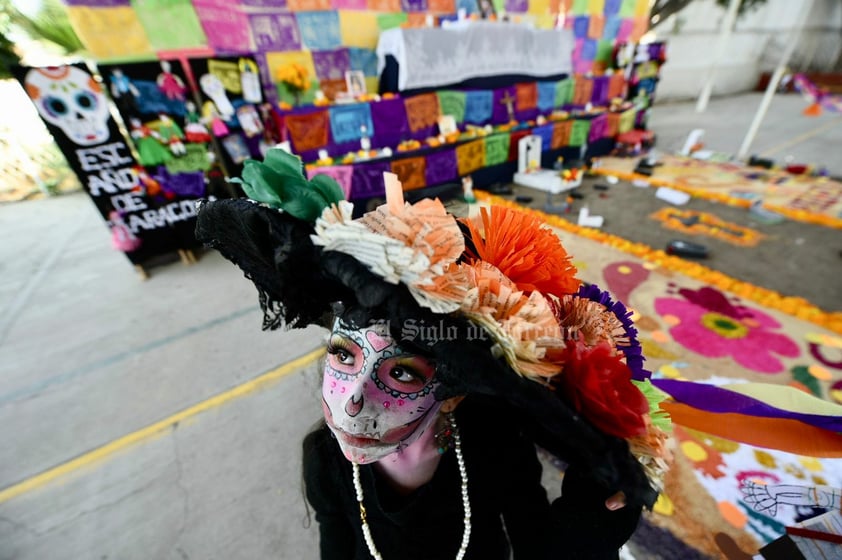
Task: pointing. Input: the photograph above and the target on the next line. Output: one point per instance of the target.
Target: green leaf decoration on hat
(655, 396)
(279, 182)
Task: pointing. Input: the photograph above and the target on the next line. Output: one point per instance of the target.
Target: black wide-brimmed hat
(493, 301)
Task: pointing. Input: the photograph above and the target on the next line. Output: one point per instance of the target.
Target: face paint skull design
(71, 99)
(377, 398)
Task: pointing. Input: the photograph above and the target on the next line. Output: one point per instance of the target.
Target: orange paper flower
(528, 253)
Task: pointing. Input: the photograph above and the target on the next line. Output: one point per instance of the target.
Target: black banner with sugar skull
(146, 219)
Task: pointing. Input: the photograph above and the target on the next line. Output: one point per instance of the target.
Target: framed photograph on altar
(355, 81)
(486, 9)
(447, 125)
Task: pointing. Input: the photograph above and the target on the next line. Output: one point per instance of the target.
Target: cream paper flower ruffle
(414, 244)
(524, 327)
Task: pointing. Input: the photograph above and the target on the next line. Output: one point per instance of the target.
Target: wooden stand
(187, 257)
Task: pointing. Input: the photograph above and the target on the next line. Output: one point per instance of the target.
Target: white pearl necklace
(466, 503)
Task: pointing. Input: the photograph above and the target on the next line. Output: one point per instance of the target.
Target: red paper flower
(598, 385)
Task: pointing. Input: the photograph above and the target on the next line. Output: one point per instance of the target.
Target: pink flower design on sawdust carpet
(705, 322)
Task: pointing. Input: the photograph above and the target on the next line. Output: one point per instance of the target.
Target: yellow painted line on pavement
(801, 137)
(103, 452)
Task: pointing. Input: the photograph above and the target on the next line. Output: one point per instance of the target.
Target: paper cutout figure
(468, 189)
(171, 134)
(767, 497)
(250, 81)
(149, 148)
(122, 237)
(228, 73)
(146, 185)
(249, 120)
(308, 131)
(213, 88)
(422, 111)
(211, 117)
(170, 84)
(470, 157)
(194, 130)
(124, 92)
(271, 127)
(236, 148)
(121, 85)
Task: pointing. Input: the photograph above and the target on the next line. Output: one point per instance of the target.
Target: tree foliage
(49, 24)
(663, 9)
(8, 56)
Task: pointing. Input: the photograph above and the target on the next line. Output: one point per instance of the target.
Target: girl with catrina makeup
(456, 348)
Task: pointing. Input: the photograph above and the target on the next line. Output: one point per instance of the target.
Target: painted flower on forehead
(414, 244)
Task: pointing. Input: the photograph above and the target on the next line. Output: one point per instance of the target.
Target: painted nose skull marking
(353, 407)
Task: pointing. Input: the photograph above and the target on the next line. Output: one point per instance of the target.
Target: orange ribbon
(783, 434)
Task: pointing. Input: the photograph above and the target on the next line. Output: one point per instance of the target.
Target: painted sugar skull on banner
(71, 99)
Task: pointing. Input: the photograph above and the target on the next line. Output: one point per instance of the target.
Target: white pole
(773, 84)
(722, 44)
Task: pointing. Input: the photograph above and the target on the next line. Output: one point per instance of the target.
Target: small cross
(508, 101)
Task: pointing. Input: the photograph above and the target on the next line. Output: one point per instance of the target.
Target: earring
(444, 437)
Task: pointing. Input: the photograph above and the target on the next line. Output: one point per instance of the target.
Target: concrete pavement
(784, 133)
(89, 354)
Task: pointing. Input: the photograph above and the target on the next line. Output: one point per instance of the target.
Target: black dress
(509, 507)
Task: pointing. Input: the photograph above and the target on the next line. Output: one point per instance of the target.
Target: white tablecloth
(434, 57)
